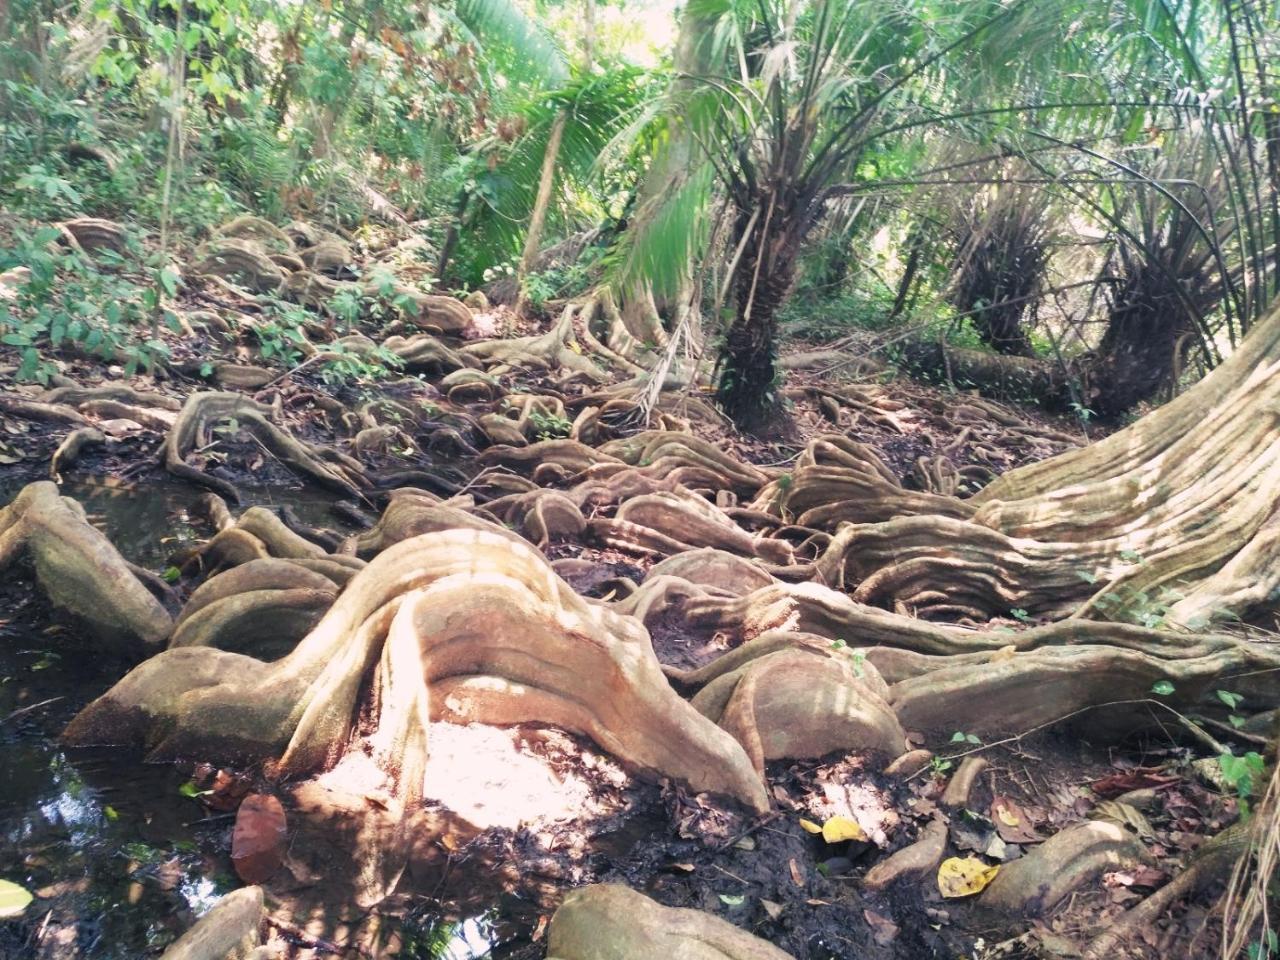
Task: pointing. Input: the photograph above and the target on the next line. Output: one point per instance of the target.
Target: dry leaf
(883, 930)
(839, 828)
(774, 910)
(1012, 822)
(796, 876)
(1123, 815)
(964, 876)
(809, 826)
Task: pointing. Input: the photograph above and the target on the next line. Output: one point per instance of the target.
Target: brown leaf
(1136, 779)
(1012, 822)
(796, 876)
(257, 842)
(883, 930)
(774, 910)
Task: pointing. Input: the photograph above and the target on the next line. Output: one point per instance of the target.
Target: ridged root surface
(1174, 515)
(464, 624)
(81, 571)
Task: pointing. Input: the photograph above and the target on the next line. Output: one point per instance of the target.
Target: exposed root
(70, 449)
(469, 624)
(202, 410)
(80, 570)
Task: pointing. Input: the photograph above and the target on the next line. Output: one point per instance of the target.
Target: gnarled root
(471, 622)
(202, 410)
(80, 570)
(793, 704)
(261, 608)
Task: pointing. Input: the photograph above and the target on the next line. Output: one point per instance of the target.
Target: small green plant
(1020, 615)
(70, 300)
(549, 426)
(1083, 413)
(1242, 774)
(1232, 701)
(350, 366)
(961, 737)
(1265, 947)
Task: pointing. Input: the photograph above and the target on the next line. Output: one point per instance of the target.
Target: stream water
(121, 857)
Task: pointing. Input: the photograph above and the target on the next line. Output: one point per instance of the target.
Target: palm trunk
(748, 373)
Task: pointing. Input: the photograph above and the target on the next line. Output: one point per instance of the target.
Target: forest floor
(123, 855)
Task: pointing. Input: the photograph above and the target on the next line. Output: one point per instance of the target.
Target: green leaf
(171, 574)
(14, 899)
(189, 789)
(111, 812)
(1162, 687)
(958, 737)
(1232, 700)
(732, 900)
(169, 280)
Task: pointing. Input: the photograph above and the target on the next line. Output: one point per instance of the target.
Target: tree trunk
(1172, 520)
(546, 181)
(1137, 356)
(747, 387)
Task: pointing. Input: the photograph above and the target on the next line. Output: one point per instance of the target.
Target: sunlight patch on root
(606, 920)
(473, 622)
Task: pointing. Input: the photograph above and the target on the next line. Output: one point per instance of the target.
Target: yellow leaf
(964, 876)
(809, 826)
(842, 828)
(1006, 816)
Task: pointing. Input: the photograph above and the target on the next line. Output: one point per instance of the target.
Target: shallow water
(121, 859)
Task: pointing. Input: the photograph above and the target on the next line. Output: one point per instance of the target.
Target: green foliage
(549, 426)
(1242, 774)
(72, 301)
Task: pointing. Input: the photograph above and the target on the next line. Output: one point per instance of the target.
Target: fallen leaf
(809, 826)
(732, 900)
(883, 930)
(257, 842)
(840, 828)
(774, 910)
(815, 902)
(1012, 822)
(964, 876)
(1135, 779)
(13, 900)
(1123, 815)
(796, 876)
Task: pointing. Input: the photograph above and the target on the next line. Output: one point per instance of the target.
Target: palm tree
(798, 94)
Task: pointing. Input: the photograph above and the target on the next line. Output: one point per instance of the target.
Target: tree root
(81, 571)
(1209, 863)
(611, 921)
(203, 410)
(470, 625)
(71, 447)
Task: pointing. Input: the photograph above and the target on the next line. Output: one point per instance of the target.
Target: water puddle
(121, 858)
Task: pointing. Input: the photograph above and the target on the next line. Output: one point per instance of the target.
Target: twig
(35, 706)
(1186, 722)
